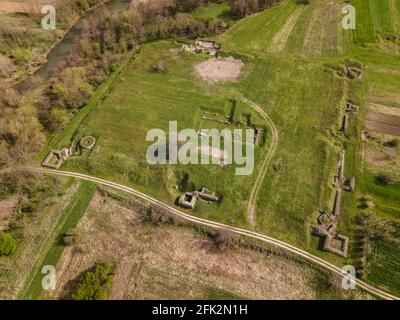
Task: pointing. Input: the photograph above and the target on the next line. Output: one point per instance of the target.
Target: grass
(386, 198)
(214, 11)
(72, 214)
(365, 28)
(384, 267)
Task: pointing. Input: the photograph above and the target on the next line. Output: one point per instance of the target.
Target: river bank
(62, 47)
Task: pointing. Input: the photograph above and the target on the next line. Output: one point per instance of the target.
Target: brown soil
(385, 159)
(170, 262)
(380, 108)
(219, 70)
(25, 6)
(7, 207)
(383, 123)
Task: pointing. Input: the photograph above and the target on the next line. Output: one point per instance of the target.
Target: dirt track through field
(280, 39)
(313, 40)
(251, 207)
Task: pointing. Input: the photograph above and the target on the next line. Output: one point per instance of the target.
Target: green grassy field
(143, 100)
(214, 11)
(375, 17)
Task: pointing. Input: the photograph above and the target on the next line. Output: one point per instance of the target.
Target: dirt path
(251, 207)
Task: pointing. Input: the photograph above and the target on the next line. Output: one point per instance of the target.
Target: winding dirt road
(251, 206)
(216, 225)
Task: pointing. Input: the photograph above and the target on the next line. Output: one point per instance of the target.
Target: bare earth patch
(384, 123)
(219, 69)
(380, 108)
(383, 158)
(7, 207)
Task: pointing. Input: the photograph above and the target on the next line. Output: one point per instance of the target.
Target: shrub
(159, 67)
(94, 285)
(7, 244)
(384, 179)
(395, 143)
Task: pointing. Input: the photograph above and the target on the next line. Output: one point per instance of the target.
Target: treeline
(243, 8)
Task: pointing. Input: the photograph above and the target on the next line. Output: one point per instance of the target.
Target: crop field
(376, 17)
(290, 28)
(384, 270)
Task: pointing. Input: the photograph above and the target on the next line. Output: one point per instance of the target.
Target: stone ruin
(87, 142)
(350, 109)
(188, 199)
(55, 158)
(354, 72)
(328, 221)
(208, 195)
(349, 184)
(345, 123)
(327, 228)
(338, 177)
(257, 136)
(202, 46)
(339, 181)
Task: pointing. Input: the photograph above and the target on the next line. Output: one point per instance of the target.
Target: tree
(395, 143)
(26, 131)
(384, 179)
(58, 119)
(94, 285)
(7, 244)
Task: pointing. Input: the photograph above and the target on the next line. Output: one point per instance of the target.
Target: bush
(94, 285)
(395, 143)
(7, 245)
(159, 67)
(384, 179)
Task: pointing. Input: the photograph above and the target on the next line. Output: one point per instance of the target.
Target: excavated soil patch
(384, 123)
(219, 70)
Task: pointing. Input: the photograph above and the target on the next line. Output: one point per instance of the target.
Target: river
(64, 48)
